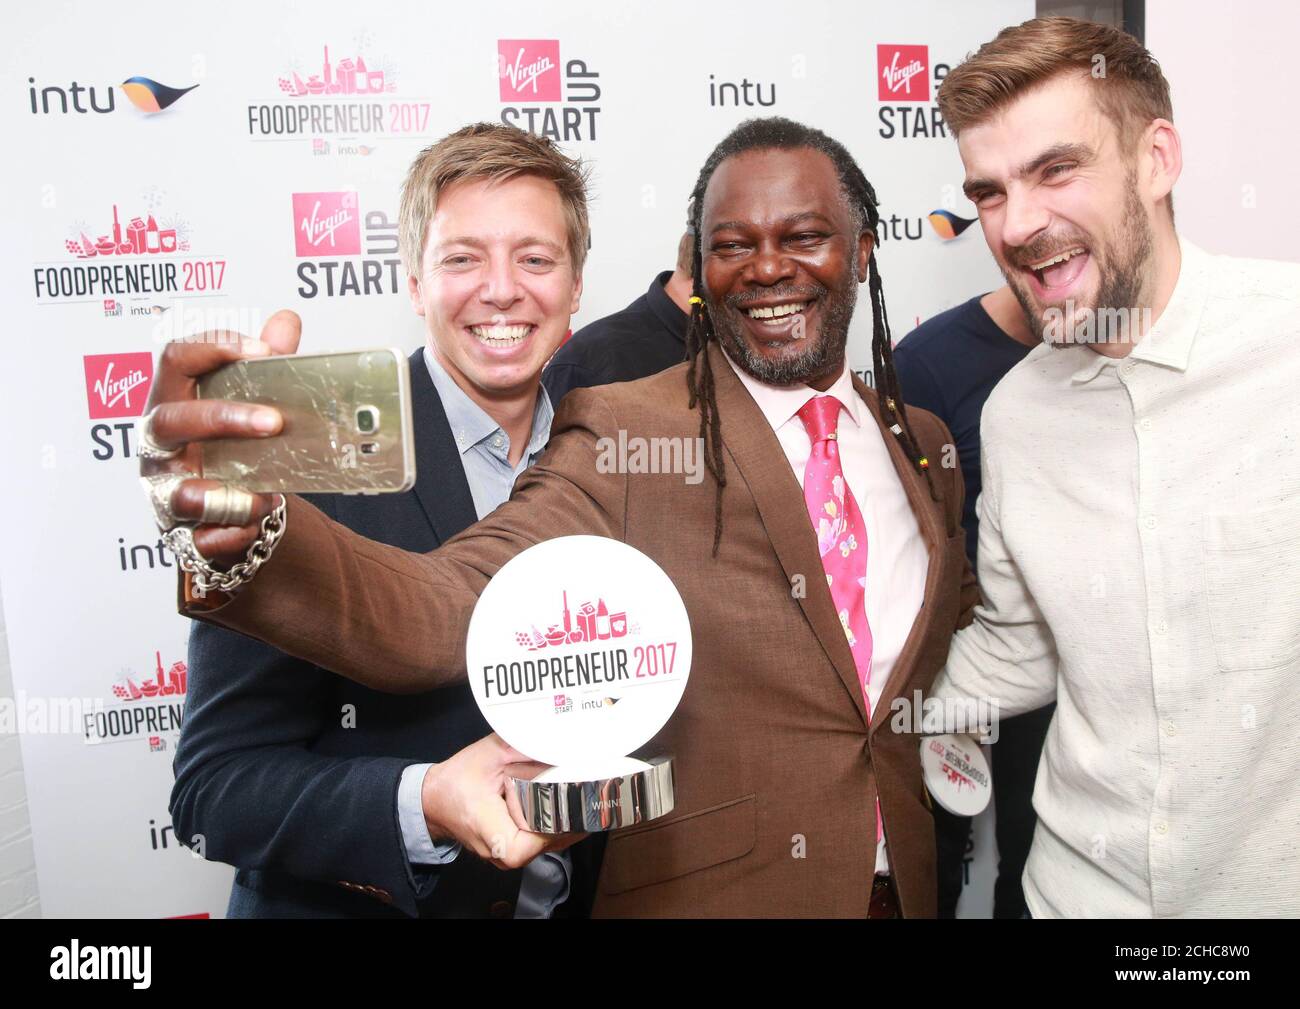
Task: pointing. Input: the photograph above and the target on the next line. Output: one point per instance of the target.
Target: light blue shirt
(485, 455)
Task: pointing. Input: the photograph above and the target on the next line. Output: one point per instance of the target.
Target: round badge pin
(956, 773)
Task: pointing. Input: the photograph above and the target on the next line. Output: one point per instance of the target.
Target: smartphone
(347, 424)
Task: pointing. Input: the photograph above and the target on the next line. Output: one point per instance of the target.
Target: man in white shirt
(1139, 550)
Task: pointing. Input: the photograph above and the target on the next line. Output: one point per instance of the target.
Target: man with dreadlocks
(823, 566)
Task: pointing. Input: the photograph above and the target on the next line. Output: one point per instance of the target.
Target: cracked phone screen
(347, 424)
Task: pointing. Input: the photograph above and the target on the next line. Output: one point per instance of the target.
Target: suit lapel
(761, 462)
(932, 532)
(440, 483)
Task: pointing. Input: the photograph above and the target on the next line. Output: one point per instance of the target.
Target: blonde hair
(494, 152)
(1126, 79)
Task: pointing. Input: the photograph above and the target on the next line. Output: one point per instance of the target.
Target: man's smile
(1057, 275)
(778, 323)
(501, 336)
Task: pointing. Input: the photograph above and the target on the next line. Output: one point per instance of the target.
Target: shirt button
(1162, 827)
(496, 440)
(1127, 367)
(1145, 423)
(1162, 627)
(1150, 522)
(1170, 729)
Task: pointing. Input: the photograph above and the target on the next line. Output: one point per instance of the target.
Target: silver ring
(147, 448)
(180, 541)
(159, 487)
(227, 506)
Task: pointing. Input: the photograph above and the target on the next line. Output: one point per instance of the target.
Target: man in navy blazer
(301, 796)
(334, 800)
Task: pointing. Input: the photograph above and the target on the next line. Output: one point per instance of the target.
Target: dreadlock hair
(769, 133)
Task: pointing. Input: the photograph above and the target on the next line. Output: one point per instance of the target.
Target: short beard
(1122, 266)
(819, 357)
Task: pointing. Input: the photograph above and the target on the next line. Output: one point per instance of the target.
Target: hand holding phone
(347, 423)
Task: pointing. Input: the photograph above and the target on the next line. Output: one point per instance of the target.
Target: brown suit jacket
(777, 769)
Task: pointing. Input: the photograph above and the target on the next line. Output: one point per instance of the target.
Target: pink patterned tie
(841, 535)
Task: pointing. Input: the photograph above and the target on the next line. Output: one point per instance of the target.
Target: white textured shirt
(1139, 558)
(897, 559)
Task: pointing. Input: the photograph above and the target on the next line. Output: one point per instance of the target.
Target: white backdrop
(88, 598)
(1229, 70)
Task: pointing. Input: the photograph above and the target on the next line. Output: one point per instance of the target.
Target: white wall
(1229, 71)
(18, 894)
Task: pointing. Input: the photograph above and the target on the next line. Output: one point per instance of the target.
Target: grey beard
(816, 359)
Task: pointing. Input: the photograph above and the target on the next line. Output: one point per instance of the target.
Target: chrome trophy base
(551, 805)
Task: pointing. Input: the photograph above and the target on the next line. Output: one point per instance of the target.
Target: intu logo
(740, 93)
(149, 96)
(57, 100)
(897, 228)
(142, 555)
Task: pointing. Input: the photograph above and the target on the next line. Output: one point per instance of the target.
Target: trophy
(578, 653)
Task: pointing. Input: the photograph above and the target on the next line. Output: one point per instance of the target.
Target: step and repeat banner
(176, 168)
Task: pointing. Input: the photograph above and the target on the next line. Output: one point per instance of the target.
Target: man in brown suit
(778, 763)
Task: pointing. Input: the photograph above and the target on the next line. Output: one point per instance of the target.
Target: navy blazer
(290, 773)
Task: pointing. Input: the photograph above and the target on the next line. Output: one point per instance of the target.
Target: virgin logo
(112, 391)
(326, 222)
(522, 76)
(117, 384)
(529, 68)
(318, 228)
(898, 66)
(901, 77)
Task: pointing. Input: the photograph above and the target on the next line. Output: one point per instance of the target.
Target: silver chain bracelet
(207, 578)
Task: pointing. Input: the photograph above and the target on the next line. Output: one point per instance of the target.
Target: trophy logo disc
(578, 653)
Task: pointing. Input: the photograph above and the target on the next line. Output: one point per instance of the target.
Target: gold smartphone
(347, 424)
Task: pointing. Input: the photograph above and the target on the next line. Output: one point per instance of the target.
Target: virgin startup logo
(117, 388)
(905, 82)
(341, 250)
(544, 95)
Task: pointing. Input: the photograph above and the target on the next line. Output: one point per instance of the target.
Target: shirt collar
(779, 404)
(470, 423)
(1169, 342)
(543, 414)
